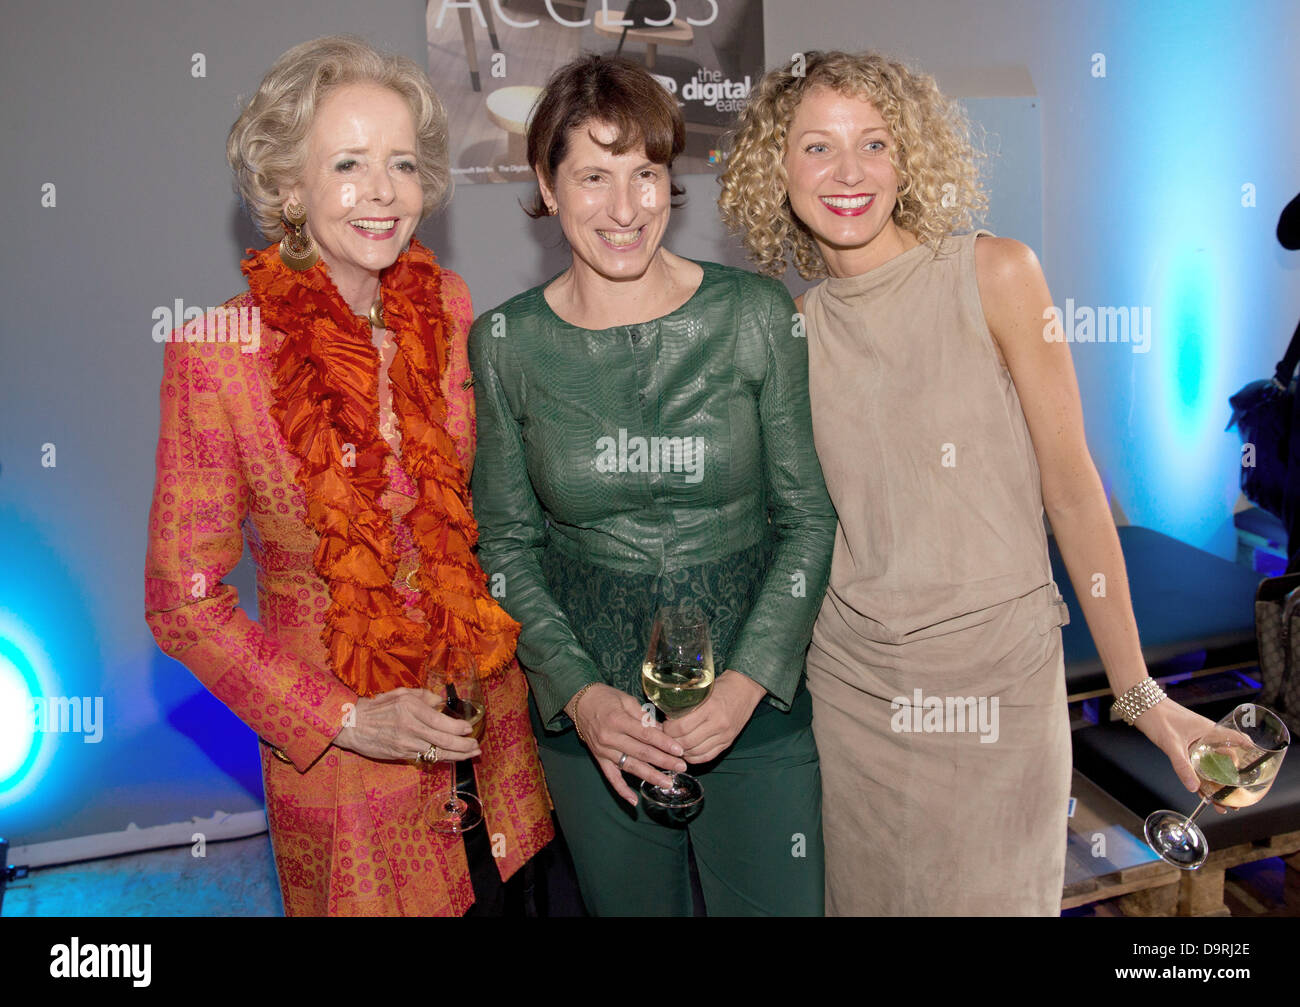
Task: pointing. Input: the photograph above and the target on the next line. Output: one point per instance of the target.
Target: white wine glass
(1236, 762)
(677, 676)
(456, 811)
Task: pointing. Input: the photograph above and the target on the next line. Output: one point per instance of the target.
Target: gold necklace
(376, 315)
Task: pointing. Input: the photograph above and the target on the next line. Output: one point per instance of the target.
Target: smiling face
(841, 181)
(360, 187)
(613, 208)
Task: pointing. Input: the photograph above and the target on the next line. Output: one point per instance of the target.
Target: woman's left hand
(1173, 729)
(708, 730)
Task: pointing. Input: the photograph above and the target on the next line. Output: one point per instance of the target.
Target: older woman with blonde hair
(945, 424)
(340, 451)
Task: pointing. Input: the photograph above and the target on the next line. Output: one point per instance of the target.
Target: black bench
(1186, 602)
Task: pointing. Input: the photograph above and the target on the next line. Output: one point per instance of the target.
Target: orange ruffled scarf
(326, 402)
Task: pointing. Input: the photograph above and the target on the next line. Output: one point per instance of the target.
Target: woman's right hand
(403, 723)
(613, 724)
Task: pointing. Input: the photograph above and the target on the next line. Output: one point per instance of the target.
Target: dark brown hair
(595, 88)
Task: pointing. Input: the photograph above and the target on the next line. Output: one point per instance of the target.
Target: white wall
(1142, 189)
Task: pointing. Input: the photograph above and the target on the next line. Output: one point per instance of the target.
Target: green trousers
(757, 839)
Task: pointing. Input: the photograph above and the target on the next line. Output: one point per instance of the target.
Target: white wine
(1229, 777)
(1235, 763)
(474, 716)
(677, 687)
(466, 710)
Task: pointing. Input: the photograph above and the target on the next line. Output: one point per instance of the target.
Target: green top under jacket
(681, 446)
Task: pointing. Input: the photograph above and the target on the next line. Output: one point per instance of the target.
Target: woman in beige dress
(945, 423)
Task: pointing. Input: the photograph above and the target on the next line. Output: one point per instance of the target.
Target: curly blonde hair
(267, 145)
(939, 188)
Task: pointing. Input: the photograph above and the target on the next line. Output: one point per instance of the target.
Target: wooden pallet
(1130, 881)
(1200, 892)
(1125, 866)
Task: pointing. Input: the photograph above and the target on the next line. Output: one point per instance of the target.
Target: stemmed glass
(456, 810)
(677, 676)
(1236, 762)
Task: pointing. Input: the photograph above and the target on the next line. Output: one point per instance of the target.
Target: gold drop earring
(297, 250)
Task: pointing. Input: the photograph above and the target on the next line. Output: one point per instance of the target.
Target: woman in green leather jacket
(587, 526)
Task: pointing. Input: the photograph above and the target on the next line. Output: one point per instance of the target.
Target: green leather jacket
(645, 450)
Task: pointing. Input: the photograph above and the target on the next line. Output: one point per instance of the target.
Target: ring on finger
(622, 761)
(430, 754)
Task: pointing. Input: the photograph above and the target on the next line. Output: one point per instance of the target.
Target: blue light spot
(20, 743)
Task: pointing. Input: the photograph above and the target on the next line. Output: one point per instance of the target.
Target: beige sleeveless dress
(936, 666)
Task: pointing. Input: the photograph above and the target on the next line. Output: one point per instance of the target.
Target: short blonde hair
(939, 188)
(267, 145)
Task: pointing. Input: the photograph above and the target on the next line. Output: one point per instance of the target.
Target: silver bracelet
(1137, 700)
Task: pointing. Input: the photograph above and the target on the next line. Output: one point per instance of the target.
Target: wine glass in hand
(677, 676)
(456, 810)
(1236, 762)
